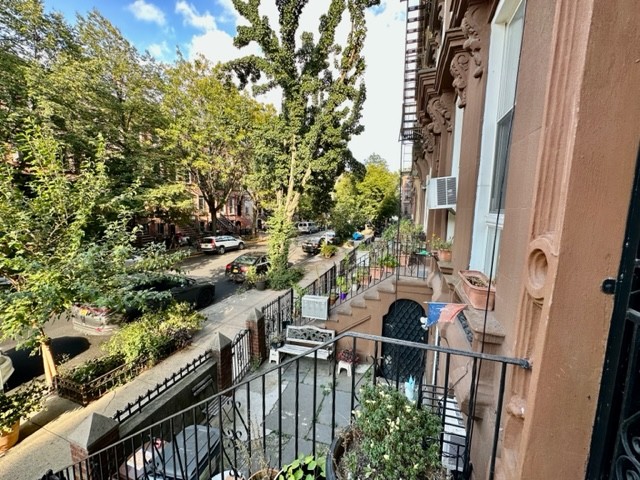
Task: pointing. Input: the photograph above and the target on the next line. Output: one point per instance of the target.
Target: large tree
(212, 129)
(46, 252)
(322, 98)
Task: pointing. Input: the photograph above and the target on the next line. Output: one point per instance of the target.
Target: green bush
(281, 279)
(392, 438)
(92, 369)
(155, 334)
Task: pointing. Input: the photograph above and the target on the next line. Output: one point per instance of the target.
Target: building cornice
(453, 43)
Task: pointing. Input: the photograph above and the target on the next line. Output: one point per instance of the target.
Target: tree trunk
(213, 211)
(49, 363)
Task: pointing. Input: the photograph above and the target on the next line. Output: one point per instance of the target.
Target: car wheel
(241, 246)
(221, 249)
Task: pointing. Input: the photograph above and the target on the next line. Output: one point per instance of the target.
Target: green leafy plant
(305, 467)
(281, 279)
(392, 438)
(327, 250)
(252, 276)
(438, 243)
(154, 334)
(389, 261)
(92, 369)
(342, 284)
(25, 401)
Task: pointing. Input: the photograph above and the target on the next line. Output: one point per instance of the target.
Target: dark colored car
(103, 321)
(313, 245)
(236, 270)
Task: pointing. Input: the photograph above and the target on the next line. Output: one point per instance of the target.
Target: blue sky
(207, 27)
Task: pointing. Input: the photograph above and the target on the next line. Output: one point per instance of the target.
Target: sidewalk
(44, 439)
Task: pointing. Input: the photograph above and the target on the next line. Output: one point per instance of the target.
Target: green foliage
(323, 94)
(389, 261)
(91, 369)
(342, 284)
(212, 128)
(281, 231)
(287, 278)
(328, 250)
(305, 467)
(26, 400)
(153, 335)
(437, 243)
(392, 438)
(371, 198)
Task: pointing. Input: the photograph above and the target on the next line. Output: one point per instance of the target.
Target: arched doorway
(402, 321)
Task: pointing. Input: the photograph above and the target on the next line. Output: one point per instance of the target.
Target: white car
(220, 244)
(6, 369)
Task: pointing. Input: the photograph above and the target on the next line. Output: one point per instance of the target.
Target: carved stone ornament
(472, 44)
(440, 116)
(459, 69)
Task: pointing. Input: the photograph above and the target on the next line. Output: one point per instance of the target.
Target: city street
(72, 348)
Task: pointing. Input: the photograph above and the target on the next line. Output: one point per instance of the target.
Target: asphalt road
(72, 348)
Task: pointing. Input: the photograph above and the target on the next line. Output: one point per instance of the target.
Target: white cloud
(229, 13)
(192, 17)
(158, 50)
(147, 12)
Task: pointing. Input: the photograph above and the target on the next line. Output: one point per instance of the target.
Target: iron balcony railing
(302, 404)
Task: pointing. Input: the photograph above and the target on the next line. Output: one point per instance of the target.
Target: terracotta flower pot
(444, 255)
(8, 440)
(265, 474)
(476, 286)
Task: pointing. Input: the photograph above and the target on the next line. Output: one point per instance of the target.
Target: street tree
(211, 129)
(322, 97)
(46, 251)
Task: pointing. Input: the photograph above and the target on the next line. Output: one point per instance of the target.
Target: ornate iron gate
(240, 355)
(615, 445)
(402, 322)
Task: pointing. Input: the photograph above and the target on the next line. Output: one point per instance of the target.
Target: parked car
(94, 320)
(236, 270)
(307, 227)
(220, 244)
(192, 455)
(6, 369)
(331, 237)
(312, 245)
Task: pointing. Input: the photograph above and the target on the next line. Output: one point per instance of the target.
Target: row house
(520, 133)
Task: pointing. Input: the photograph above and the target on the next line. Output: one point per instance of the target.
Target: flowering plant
(392, 438)
(349, 356)
(439, 244)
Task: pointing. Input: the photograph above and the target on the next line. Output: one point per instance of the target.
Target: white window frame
(485, 222)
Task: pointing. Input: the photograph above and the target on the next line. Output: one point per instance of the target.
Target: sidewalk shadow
(27, 366)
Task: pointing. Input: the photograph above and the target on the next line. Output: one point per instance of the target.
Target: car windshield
(246, 260)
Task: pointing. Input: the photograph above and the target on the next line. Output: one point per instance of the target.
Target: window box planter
(476, 286)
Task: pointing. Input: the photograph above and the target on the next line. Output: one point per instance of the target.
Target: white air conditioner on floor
(443, 192)
(454, 436)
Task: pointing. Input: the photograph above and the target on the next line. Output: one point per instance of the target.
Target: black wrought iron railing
(302, 404)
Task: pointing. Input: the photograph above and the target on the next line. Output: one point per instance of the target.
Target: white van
(307, 227)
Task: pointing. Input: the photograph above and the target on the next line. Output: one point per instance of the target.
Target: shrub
(154, 334)
(20, 404)
(392, 438)
(306, 467)
(281, 279)
(92, 369)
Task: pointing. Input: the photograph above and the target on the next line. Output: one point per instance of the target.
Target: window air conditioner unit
(315, 306)
(454, 437)
(442, 192)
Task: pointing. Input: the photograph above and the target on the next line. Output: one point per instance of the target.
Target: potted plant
(343, 288)
(389, 262)
(478, 288)
(333, 296)
(347, 360)
(327, 250)
(276, 340)
(27, 400)
(252, 277)
(390, 437)
(306, 467)
(376, 268)
(442, 247)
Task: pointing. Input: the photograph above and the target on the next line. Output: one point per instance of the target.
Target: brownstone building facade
(531, 105)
